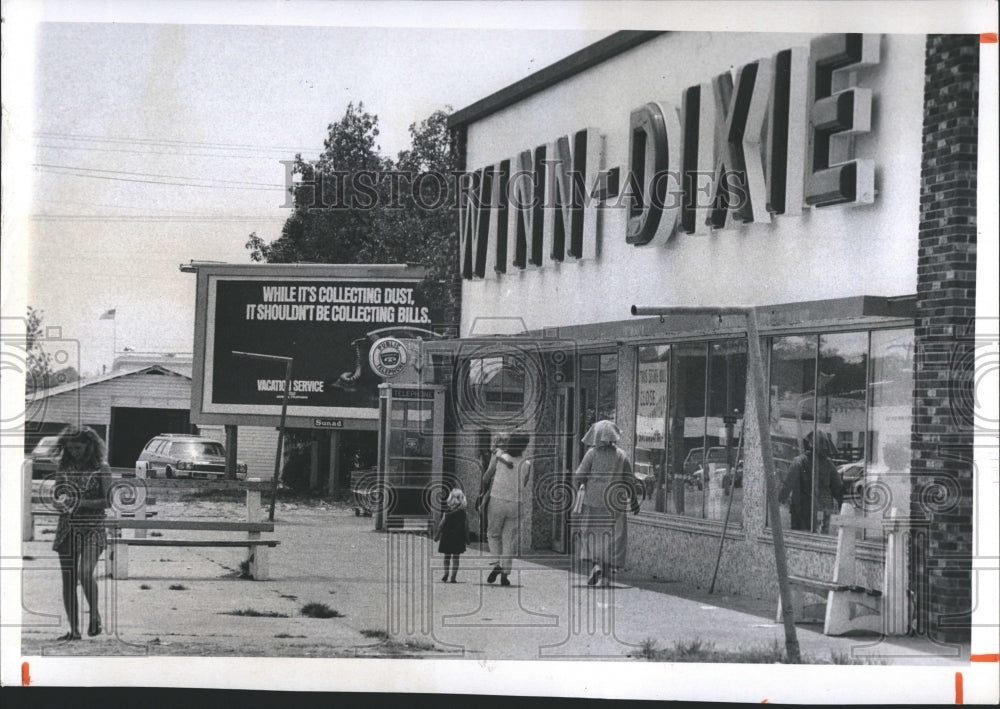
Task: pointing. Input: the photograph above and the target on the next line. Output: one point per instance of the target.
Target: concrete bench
(259, 568)
(841, 604)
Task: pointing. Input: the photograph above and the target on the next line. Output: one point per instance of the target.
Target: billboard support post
(281, 425)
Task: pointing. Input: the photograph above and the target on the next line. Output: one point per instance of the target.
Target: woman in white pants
(506, 479)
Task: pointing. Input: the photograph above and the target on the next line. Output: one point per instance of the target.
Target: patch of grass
(177, 587)
(648, 648)
(28, 558)
(253, 613)
(839, 657)
(145, 587)
(48, 531)
(699, 651)
(320, 610)
(418, 645)
(156, 534)
(288, 596)
(234, 495)
(286, 635)
(166, 559)
(245, 569)
(375, 634)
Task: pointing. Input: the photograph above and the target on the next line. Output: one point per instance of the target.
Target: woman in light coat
(607, 485)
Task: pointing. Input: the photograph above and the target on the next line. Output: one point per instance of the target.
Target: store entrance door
(564, 466)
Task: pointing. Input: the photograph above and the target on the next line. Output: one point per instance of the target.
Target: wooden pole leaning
(281, 425)
(756, 375)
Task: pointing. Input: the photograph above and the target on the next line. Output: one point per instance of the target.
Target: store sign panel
(770, 139)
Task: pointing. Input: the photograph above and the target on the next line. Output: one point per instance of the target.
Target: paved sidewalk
(387, 589)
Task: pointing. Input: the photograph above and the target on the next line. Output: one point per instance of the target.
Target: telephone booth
(410, 457)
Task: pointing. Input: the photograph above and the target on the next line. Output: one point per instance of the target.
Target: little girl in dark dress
(453, 532)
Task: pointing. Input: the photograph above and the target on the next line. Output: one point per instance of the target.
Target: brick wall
(945, 329)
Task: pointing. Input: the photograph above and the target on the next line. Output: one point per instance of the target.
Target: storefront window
(690, 400)
(598, 391)
(650, 416)
(840, 423)
(727, 385)
(885, 481)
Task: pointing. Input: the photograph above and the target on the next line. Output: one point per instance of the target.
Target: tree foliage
(354, 205)
(38, 362)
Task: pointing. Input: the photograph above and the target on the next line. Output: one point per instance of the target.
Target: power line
(276, 156)
(135, 218)
(160, 182)
(154, 174)
(165, 142)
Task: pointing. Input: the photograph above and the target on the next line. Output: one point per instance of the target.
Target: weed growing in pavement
(286, 635)
(699, 651)
(177, 587)
(156, 534)
(648, 649)
(375, 634)
(245, 569)
(28, 558)
(839, 657)
(145, 587)
(48, 531)
(320, 610)
(252, 613)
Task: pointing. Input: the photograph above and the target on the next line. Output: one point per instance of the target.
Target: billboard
(337, 323)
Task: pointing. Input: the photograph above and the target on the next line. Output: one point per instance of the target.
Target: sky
(157, 144)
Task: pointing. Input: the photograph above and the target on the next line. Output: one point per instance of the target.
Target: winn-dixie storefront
(802, 174)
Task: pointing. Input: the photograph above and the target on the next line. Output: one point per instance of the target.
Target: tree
(38, 362)
(353, 205)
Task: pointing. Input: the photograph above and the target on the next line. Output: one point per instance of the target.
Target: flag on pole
(108, 315)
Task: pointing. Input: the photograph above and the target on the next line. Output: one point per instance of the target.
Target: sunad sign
(771, 138)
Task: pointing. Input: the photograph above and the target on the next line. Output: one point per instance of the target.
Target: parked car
(45, 456)
(693, 465)
(852, 474)
(174, 455)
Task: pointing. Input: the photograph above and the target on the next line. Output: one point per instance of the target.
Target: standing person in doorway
(797, 487)
(498, 456)
(605, 474)
(506, 480)
(81, 496)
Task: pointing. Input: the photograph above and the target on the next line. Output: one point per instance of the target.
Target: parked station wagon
(174, 455)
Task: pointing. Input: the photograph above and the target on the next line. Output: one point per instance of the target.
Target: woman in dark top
(81, 496)
(453, 532)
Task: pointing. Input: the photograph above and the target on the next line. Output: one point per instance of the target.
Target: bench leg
(803, 612)
(848, 611)
(119, 559)
(260, 566)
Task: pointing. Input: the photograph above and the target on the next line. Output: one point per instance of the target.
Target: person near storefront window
(609, 491)
(797, 487)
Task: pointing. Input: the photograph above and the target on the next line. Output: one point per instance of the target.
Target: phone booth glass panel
(411, 429)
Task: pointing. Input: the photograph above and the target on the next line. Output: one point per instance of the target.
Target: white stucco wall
(825, 253)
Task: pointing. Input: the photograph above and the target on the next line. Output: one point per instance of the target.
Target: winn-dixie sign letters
(777, 138)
